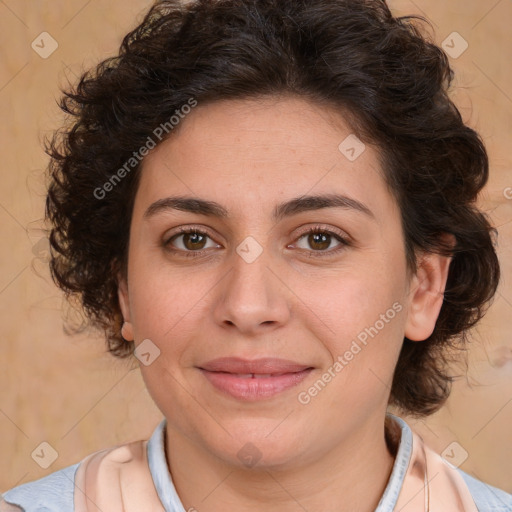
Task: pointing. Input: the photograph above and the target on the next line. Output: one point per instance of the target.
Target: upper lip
(265, 365)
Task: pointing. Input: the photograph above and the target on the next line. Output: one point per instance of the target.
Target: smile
(254, 380)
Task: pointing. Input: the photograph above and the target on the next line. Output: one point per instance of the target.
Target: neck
(351, 476)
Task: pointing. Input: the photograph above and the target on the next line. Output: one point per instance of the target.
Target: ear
(427, 293)
(124, 304)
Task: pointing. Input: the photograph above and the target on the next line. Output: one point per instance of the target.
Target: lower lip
(251, 388)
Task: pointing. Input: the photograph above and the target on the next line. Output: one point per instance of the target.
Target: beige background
(64, 390)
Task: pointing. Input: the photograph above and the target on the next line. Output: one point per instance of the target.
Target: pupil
(320, 239)
(194, 239)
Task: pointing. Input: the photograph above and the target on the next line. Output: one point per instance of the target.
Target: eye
(319, 241)
(190, 240)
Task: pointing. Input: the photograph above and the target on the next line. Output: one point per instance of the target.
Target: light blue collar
(172, 503)
(160, 472)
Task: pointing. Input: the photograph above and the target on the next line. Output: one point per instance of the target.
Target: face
(270, 322)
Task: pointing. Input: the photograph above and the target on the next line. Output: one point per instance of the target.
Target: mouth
(254, 379)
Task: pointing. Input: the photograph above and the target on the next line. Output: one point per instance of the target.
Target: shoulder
(100, 471)
(53, 493)
(486, 497)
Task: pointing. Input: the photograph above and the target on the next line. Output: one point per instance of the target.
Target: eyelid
(343, 238)
(183, 230)
(323, 228)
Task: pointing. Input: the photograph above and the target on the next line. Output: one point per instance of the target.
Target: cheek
(363, 341)
(362, 330)
(348, 303)
(167, 305)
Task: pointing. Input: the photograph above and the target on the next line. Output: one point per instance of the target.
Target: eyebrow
(281, 211)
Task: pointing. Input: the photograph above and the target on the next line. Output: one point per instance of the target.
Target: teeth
(245, 375)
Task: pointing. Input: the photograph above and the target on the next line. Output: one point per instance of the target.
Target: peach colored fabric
(119, 480)
(8, 507)
(431, 484)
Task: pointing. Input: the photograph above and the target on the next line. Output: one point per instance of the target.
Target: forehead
(253, 152)
(262, 128)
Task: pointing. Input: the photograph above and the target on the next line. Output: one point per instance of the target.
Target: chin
(261, 445)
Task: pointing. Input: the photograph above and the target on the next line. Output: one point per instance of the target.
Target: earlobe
(426, 296)
(124, 304)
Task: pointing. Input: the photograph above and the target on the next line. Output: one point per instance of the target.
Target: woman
(272, 206)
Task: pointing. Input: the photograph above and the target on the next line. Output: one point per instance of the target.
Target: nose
(251, 298)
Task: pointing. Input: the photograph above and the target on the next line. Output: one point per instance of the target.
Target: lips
(257, 375)
(262, 366)
(254, 379)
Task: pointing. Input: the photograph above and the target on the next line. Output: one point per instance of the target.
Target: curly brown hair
(356, 57)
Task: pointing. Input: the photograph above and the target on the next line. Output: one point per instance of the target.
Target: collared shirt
(55, 492)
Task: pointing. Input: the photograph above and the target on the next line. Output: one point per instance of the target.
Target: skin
(291, 302)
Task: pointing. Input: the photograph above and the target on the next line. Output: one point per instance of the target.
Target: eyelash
(344, 241)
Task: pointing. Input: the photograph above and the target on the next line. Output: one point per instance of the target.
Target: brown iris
(193, 241)
(320, 240)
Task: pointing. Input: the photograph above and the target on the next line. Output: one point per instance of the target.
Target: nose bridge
(252, 295)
